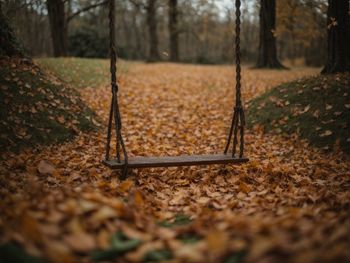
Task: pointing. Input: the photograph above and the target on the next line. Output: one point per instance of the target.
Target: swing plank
(169, 161)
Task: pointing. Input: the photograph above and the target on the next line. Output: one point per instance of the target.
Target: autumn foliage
(290, 203)
(37, 108)
(316, 108)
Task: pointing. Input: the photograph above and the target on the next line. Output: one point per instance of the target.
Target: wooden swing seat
(236, 129)
(169, 161)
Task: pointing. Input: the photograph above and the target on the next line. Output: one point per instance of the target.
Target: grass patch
(120, 244)
(81, 72)
(158, 255)
(317, 108)
(236, 257)
(37, 109)
(179, 220)
(189, 238)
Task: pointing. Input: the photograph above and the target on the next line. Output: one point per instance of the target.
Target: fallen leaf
(104, 213)
(217, 241)
(326, 133)
(45, 168)
(81, 242)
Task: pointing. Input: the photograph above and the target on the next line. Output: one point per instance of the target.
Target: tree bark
(173, 31)
(152, 31)
(58, 27)
(8, 43)
(139, 50)
(267, 47)
(338, 39)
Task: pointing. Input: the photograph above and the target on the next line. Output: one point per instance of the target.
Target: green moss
(82, 72)
(37, 110)
(316, 108)
(179, 220)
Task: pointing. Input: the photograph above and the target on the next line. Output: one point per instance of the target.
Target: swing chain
(114, 109)
(238, 119)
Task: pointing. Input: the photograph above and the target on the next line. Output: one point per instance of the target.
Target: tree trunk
(173, 31)
(139, 50)
(58, 27)
(267, 47)
(338, 25)
(152, 31)
(9, 46)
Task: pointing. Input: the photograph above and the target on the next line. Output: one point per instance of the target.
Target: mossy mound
(317, 108)
(37, 108)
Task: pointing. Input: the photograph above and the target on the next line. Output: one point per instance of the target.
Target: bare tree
(267, 48)
(152, 31)
(338, 51)
(173, 31)
(58, 27)
(9, 45)
(59, 20)
(150, 6)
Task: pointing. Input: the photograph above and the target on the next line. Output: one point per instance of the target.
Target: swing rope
(236, 129)
(114, 109)
(238, 119)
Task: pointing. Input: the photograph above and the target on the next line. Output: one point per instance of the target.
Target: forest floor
(316, 108)
(290, 203)
(37, 108)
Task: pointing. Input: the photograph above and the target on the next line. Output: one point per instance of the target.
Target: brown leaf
(30, 228)
(326, 133)
(217, 241)
(59, 252)
(61, 119)
(81, 242)
(45, 167)
(104, 213)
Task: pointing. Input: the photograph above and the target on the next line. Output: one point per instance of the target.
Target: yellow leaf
(326, 133)
(217, 241)
(125, 186)
(243, 187)
(58, 252)
(138, 198)
(30, 228)
(203, 200)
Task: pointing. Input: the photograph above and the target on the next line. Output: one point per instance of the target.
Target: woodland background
(204, 30)
(59, 203)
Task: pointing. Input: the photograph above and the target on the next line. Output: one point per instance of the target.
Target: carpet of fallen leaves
(289, 203)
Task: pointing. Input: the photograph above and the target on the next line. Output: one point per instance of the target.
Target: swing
(123, 162)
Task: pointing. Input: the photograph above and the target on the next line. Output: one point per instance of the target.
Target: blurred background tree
(267, 57)
(9, 45)
(193, 31)
(338, 27)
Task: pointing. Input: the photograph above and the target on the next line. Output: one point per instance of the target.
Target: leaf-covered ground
(36, 108)
(290, 203)
(316, 108)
